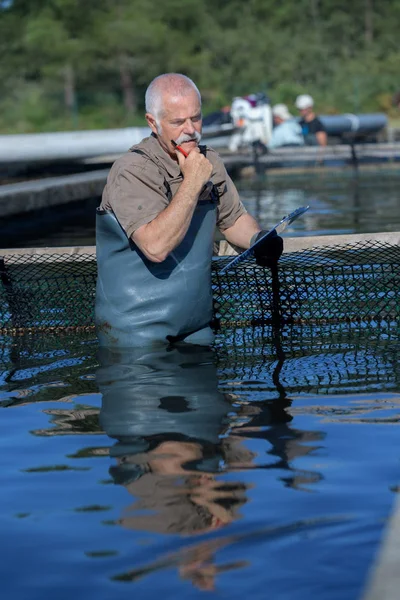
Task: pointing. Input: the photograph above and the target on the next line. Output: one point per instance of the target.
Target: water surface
(341, 201)
(266, 465)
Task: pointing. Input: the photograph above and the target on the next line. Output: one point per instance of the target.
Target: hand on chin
(189, 146)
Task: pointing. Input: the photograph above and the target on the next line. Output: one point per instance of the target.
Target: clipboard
(279, 227)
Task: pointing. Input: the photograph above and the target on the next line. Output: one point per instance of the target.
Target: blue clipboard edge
(279, 227)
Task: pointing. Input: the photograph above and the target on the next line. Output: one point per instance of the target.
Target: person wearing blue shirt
(287, 130)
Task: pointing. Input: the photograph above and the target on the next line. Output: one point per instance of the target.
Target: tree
(345, 54)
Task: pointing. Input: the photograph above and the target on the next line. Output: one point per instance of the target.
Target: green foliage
(25, 109)
(66, 64)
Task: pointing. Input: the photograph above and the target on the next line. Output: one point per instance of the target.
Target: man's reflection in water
(175, 432)
(166, 413)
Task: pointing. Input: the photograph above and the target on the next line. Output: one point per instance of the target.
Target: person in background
(313, 129)
(156, 224)
(252, 118)
(287, 130)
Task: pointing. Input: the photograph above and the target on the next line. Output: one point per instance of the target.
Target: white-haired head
(175, 84)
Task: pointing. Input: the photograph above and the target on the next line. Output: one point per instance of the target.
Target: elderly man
(313, 129)
(155, 227)
(287, 130)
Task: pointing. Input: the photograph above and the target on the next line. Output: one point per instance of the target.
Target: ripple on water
(262, 466)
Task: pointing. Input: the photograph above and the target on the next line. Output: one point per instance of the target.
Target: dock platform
(22, 197)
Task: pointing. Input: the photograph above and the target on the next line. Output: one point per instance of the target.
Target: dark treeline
(82, 64)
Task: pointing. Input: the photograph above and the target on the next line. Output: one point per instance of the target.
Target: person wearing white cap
(312, 127)
(287, 131)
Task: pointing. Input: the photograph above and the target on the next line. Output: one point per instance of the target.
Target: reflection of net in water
(315, 359)
(357, 282)
(318, 359)
(262, 370)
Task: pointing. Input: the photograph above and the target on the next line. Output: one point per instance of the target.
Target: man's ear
(151, 122)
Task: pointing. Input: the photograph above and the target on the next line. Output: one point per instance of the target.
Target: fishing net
(354, 282)
(261, 363)
(47, 292)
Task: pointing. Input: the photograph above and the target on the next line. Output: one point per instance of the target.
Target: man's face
(304, 112)
(180, 120)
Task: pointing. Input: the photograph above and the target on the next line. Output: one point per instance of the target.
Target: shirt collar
(160, 155)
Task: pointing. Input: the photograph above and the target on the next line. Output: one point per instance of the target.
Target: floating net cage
(262, 364)
(45, 292)
(356, 282)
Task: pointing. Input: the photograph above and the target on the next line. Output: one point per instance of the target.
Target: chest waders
(141, 302)
(171, 393)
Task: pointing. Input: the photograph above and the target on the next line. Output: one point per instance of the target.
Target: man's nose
(189, 127)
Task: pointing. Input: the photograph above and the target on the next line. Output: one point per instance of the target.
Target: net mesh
(47, 291)
(330, 358)
(261, 362)
(354, 282)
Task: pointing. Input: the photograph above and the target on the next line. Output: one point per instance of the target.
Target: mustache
(184, 137)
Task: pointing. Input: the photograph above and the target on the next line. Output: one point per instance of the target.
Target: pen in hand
(181, 150)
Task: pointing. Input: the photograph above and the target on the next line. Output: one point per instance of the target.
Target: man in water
(155, 227)
(287, 130)
(313, 129)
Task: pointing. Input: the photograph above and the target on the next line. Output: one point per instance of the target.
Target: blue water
(254, 470)
(341, 202)
(262, 470)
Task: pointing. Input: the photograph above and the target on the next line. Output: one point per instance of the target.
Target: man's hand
(196, 168)
(269, 251)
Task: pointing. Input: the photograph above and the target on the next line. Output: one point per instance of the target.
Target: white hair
(173, 83)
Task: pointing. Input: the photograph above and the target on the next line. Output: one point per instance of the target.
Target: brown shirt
(136, 189)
